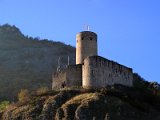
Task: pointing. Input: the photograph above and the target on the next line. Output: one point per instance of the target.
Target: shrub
(42, 90)
(23, 95)
(4, 104)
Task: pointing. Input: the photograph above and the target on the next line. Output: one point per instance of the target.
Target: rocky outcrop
(82, 104)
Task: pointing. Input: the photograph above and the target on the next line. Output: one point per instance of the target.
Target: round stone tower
(86, 45)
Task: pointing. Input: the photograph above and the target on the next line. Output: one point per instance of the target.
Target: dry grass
(81, 98)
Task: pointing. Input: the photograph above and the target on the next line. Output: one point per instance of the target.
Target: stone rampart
(101, 72)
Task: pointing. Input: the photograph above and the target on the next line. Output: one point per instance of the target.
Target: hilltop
(112, 103)
(26, 62)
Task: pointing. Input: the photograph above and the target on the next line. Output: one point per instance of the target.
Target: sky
(128, 30)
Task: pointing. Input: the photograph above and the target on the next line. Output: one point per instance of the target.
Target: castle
(91, 70)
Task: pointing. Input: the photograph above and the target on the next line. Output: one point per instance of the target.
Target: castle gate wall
(100, 72)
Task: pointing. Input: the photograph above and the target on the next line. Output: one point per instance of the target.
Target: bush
(4, 104)
(42, 90)
(23, 95)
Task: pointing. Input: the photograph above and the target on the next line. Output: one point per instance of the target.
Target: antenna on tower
(68, 60)
(88, 27)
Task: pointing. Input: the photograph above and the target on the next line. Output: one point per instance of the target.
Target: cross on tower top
(86, 27)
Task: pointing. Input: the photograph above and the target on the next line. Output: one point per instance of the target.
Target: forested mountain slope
(26, 62)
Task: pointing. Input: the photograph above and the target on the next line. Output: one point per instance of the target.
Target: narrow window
(82, 38)
(90, 38)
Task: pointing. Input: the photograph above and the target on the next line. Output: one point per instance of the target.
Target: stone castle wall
(71, 76)
(74, 75)
(100, 72)
(86, 45)
(58, 78)
(91, 70)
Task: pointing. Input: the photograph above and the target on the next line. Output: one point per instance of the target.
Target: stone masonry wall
(58, 78)
(86, 45)
(100, 72)
(72, 76)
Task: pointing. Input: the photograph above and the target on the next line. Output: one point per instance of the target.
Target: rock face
(26, 62)
(83, 104)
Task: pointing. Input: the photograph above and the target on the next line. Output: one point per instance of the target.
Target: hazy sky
(128, 30)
